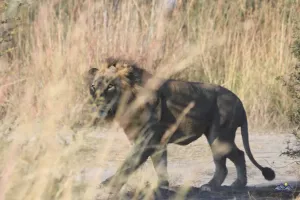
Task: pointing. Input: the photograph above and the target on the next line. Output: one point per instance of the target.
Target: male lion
(217, 113)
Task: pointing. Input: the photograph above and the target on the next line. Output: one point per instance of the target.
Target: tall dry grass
(213, 41)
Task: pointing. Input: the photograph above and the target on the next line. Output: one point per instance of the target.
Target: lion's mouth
(106, 112)
(103, 113)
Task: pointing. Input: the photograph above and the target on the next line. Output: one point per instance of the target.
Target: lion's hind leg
(238, 158)
(219, 147)
(219, 175)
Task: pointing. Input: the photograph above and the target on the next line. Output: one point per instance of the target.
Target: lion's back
(209, 101)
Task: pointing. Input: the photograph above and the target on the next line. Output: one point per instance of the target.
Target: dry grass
(43, 91)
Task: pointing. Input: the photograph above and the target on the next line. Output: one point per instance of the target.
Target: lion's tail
(267, 172)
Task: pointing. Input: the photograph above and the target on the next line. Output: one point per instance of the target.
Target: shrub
(292, 82)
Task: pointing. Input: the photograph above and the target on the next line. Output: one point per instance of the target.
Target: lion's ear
(112, 69)
(89, 75)
(92, 71)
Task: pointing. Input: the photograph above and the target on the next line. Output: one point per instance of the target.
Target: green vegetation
(292, 82)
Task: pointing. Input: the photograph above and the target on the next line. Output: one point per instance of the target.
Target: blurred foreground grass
(47, 45)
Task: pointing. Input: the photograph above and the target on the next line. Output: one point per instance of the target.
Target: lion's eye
(110, 87)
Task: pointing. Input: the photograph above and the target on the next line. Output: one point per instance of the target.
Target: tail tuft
(268, 173)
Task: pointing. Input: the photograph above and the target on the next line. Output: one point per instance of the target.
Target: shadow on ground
(226, 193)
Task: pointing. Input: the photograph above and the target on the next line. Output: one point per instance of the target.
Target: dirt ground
(191, 166)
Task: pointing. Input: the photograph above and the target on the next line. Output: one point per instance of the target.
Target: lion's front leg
(160, 162)
(146, 144)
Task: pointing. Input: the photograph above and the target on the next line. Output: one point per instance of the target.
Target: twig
(13, 83)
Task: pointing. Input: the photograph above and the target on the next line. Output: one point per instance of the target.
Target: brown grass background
(55, 42)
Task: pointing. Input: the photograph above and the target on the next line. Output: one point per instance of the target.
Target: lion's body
(216, 113)
(214, 105)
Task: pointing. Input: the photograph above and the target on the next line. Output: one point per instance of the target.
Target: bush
(293, 85)
(293, 82)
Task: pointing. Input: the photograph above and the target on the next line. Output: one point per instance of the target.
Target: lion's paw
(206, 188)
(238, 184)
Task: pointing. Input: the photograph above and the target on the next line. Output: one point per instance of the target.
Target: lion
(213, 111)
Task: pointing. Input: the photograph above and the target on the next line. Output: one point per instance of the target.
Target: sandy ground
(191, 166)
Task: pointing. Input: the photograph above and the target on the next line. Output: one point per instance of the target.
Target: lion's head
(109, 82)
